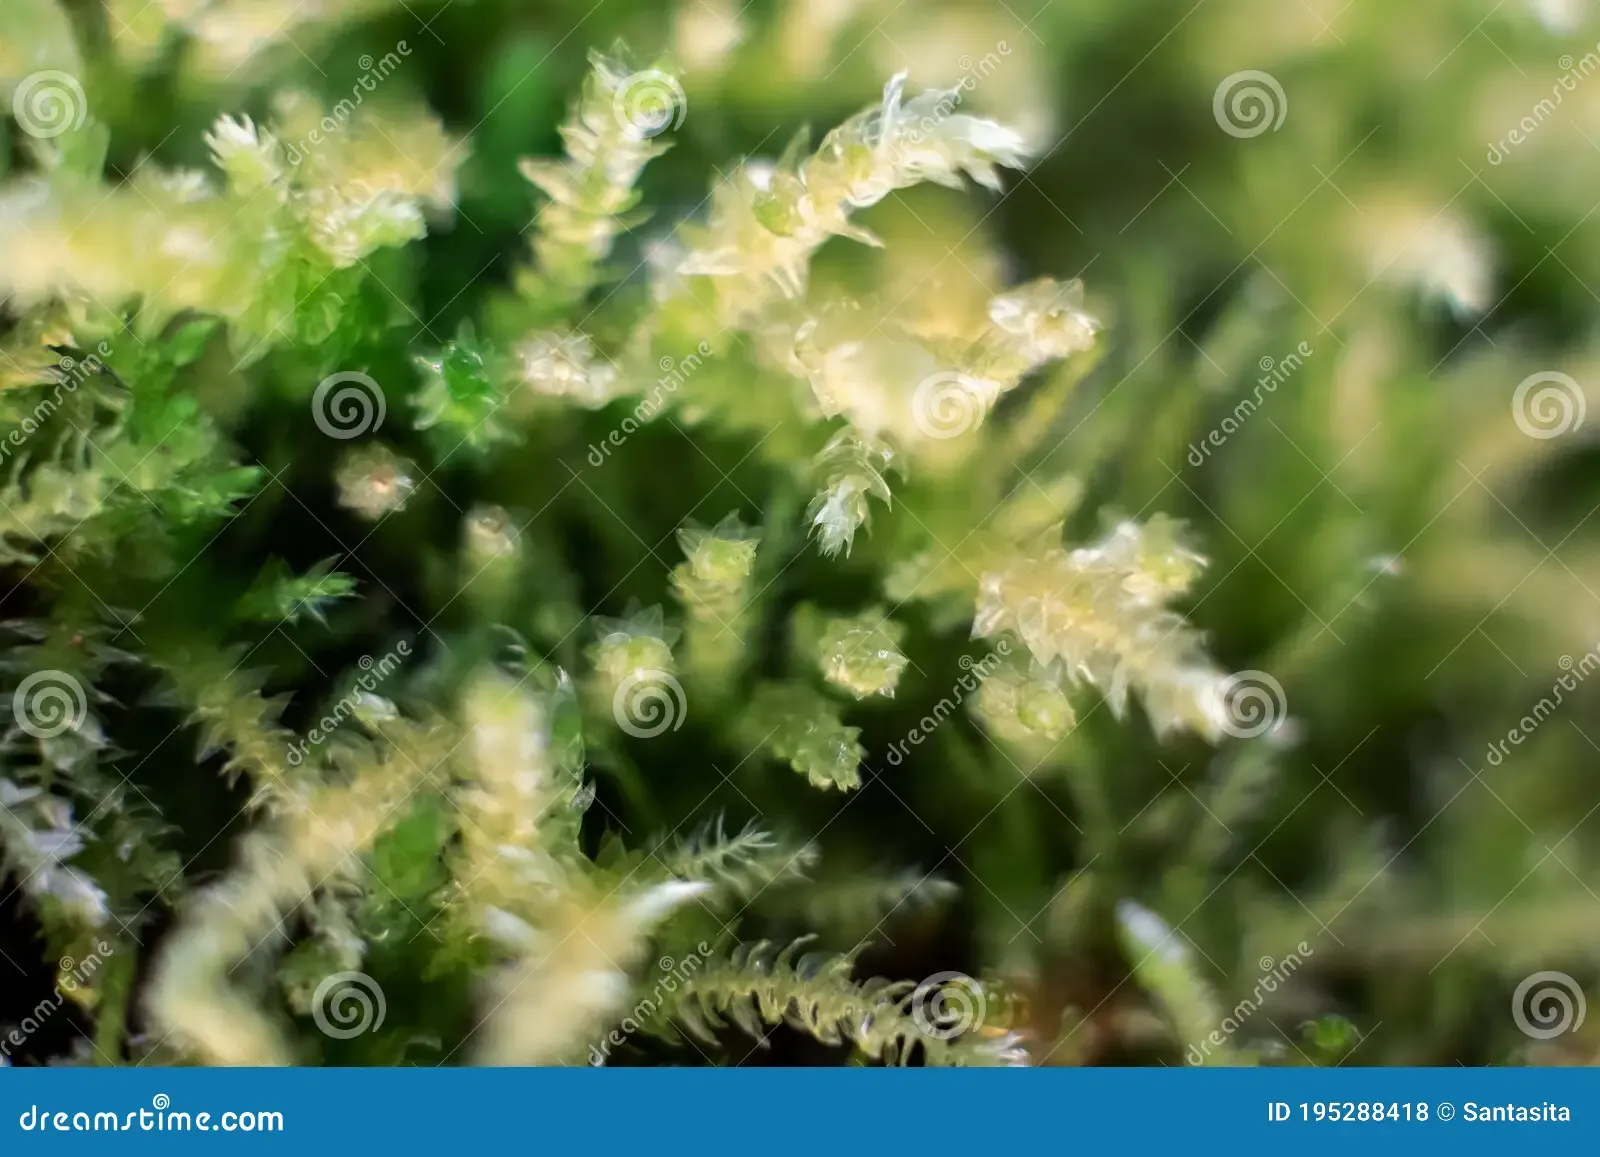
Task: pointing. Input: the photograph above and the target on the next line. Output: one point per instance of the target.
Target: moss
(1033, 537)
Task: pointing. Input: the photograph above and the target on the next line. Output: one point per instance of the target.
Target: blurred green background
(1395, 533)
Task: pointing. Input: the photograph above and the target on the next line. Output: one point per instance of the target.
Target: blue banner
(692, 1111)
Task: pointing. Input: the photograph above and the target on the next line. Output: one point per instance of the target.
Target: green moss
(422, 506)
